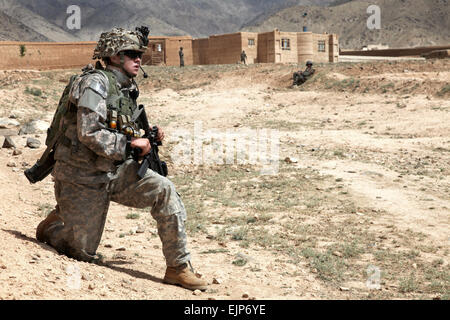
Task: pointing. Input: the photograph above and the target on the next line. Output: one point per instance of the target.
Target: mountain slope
(404, 23)
(34, 22)
(11, 29)
(198, 18)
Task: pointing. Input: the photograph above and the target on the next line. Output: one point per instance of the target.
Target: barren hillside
(198, 18)
(404, 23)
(11, 29)
(356, 207)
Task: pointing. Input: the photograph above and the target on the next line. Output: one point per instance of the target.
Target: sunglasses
(133, 54)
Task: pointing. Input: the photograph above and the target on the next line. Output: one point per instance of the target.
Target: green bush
(34, 91)
(23, 49)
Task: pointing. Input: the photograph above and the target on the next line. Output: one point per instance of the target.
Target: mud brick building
(267, 47)
(164, 51)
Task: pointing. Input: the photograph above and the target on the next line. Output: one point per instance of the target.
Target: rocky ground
(356, 207)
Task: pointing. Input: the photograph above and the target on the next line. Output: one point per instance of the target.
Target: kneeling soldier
(94, 164)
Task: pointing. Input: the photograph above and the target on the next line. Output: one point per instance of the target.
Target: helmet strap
(120, 66)
(122, 59)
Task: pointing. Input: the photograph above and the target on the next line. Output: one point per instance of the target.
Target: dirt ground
(358, 208)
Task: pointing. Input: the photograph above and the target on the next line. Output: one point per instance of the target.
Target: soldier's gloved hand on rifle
(161, 135)
(144, 144)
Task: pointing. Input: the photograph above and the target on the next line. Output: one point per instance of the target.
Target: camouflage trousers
(79, 217)
(298, 78)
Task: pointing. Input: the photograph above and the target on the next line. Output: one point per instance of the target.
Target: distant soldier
(300, 77)
(181, 54)
(244, 57)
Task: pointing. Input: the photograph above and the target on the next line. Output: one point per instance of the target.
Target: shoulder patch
(95, 81)
(99, 88)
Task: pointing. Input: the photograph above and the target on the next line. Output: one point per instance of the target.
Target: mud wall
(172, 46)
(321, 42)
(225, 49)
(266, 47)
(395, 52)
(200, 49)
(286, 53)
(217, 49)
(250, 45)
(45, 55)
(334, 48)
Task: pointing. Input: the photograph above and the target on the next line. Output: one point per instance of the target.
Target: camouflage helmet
(119, 39)
(309, 63)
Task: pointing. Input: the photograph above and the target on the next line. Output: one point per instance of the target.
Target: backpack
(55, 131)
(44, 166)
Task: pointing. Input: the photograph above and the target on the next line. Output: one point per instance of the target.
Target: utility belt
(123, 124)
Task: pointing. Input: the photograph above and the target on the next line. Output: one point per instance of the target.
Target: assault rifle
(150, 160)
(42, 167)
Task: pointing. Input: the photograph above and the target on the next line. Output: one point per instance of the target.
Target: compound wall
(200, 48)
(271, 47)
(45, 55)
(172, 46)
(395, 52)
(225, 49)
(249, 43)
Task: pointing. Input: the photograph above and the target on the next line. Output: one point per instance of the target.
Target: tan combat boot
(184, 277)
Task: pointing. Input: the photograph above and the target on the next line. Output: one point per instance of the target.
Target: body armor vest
(122, 108)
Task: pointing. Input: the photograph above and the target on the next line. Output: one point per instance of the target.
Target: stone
(245, 295)
(197, 292)
(33, 143)
(140, 229)
(120, 256)
(6, 123)
(8, 143)
(337, 254)
(11, 164)
(217, 281)
(17, 152)
(291, 160)
(35, 126)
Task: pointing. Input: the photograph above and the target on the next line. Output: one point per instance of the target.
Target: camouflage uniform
(181, 54)
(243, 57)
(301, 77)
(93, 168)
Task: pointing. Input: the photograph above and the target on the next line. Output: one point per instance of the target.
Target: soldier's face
(132, 61)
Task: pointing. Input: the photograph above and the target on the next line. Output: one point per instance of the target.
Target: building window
(321, 46)
(251, 42)
(285, 44)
